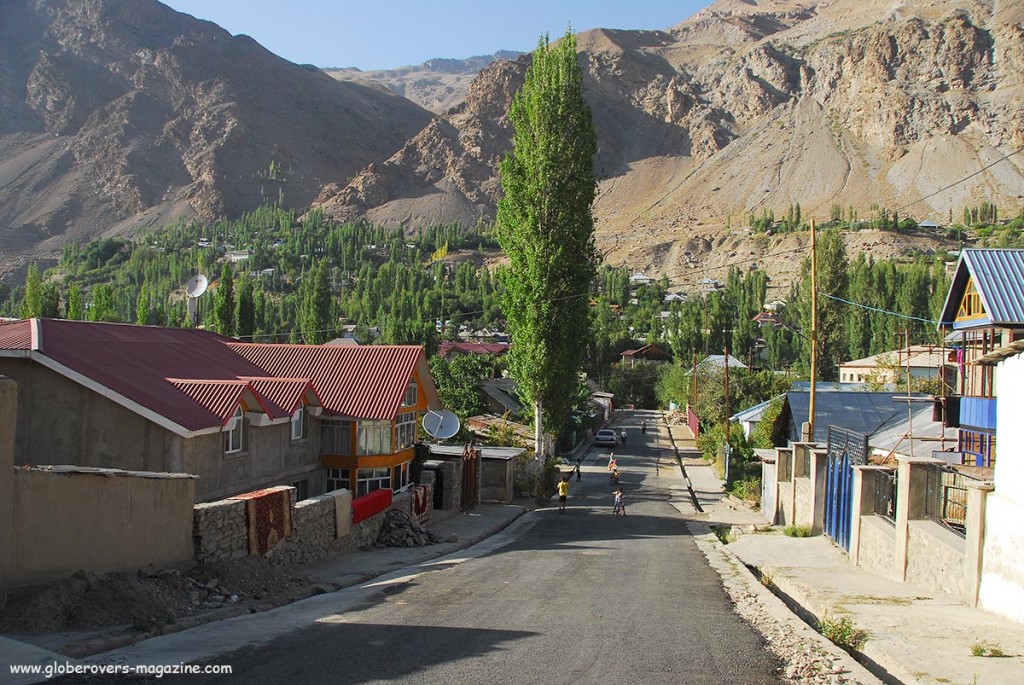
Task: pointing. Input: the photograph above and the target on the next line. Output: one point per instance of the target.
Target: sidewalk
(914, 636)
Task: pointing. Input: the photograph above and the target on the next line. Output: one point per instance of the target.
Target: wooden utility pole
(728, 447)
(693, 381)
(814, 333)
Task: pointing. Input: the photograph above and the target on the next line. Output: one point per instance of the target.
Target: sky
(384, 34)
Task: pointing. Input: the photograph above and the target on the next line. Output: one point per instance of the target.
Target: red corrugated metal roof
(284, 393)
(192, 377)
(367, 381)
(220, 398)
(15, 335)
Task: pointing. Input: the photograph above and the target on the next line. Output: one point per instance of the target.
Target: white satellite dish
(441, 424)
(196, 285)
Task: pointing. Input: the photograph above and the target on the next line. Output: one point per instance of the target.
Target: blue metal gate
(845, 449)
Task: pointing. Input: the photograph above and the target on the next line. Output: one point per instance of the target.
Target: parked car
(606, 437)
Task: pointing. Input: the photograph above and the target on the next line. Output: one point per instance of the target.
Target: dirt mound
(88, 601)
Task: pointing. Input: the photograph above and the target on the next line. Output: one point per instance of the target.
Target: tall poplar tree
(315, 305)
(545, 227)
(224, 303)
(33, 302)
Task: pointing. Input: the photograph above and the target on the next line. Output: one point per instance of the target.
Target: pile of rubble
(400, 530)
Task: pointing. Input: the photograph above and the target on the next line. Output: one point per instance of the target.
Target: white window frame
(299, 423)
(373, 437)
(369, 480)
(405, 430)
(338, 479)
(411, 395)
(234, 437)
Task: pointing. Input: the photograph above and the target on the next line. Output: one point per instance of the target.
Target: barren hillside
(116, 114)
(744, 107)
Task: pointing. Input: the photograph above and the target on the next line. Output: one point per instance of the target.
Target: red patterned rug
(270, 518)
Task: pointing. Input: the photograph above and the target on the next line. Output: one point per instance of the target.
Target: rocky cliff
(749, 105)
(120, 113)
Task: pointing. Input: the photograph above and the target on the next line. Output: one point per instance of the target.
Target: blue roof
(862, 412)
(998, 276)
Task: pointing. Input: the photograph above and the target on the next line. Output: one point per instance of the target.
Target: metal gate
(846, 449)
(470, 477)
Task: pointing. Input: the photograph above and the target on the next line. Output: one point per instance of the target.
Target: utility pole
(814, 333)
(693, 381)
(728, 447)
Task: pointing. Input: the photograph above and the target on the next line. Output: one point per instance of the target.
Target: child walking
(620, 503)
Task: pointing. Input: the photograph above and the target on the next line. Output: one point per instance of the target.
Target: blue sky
(383, 34)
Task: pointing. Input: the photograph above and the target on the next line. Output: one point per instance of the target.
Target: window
(338, 479)
(373, 437)
(406, 433)
(301, 489)
(234, 436)
(400, 478)
(335, 437)
(410, 395)
(299, 423)
(372, 479)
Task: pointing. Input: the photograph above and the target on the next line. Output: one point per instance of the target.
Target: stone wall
(319, 528)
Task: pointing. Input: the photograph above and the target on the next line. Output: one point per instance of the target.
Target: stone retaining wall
(220, 529)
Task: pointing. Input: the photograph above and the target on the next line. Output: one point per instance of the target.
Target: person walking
(619, 506)
(563, 493)
(622, 435)
(612, 463)
(579, 473)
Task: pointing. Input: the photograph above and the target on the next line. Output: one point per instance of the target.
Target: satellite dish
(441, 424)
(196, 286)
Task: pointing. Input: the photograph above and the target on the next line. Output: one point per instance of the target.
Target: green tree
(224, 303)
(143, 306)
(102, 307)
(49, 303)
(32, 305)
(545, 227)
(75, 310)
(458, 382)
(315, 306)
(245, 311)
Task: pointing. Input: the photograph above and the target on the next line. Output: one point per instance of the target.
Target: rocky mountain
(116, 114)
(750, 105)
(437, 84)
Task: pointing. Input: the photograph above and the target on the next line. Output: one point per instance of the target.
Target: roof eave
(118, 398)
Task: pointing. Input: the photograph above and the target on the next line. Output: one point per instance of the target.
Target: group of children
(618, 506)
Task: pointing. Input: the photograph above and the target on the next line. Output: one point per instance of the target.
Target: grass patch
(767, 580)
(981, 649)
(797, 531)
(842, 632)
(724, 533)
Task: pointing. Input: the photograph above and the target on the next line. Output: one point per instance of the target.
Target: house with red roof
(241, 416)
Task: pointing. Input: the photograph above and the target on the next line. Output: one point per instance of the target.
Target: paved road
(580, 597)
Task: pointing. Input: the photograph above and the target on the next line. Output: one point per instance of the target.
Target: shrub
(842, 632)
(797, 531)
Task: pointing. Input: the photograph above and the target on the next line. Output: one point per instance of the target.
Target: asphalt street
(580, 597)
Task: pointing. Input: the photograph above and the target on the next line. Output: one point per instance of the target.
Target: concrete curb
(780, 610)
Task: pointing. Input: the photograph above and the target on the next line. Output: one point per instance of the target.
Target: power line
(879, 309)
(965, 178)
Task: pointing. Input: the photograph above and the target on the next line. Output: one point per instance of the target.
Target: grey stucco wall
(804, 505)
(877, 545)
(935, 558)
(62, 422)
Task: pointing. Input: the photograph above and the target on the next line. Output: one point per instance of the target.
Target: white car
(606, 437)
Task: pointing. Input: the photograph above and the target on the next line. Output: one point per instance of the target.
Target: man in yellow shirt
(563, 492)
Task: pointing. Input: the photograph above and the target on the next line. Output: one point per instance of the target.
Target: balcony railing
(978, 412)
